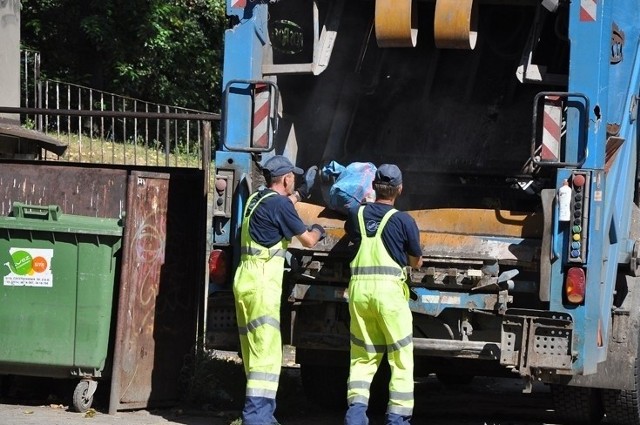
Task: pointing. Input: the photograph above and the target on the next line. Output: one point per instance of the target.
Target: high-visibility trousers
(257, 300)
(381, 321)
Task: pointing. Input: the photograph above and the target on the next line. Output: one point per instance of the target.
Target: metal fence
(102, 127)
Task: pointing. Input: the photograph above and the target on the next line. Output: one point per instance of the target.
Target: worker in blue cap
(387, 241)
(269, 223)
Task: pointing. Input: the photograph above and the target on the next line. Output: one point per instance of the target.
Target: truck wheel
(452, 379)
(577, 405)
(325, 385)
(81, 399)
(623, 406)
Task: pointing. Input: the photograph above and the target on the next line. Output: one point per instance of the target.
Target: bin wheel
(83, 395)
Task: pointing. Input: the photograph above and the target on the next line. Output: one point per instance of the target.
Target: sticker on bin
(28, 267)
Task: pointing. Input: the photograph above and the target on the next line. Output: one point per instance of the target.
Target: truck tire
(327, 386)
(577, 405)
(451, 379)
(623, 406)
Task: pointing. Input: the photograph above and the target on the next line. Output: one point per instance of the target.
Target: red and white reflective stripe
(552, 129)
(261, 103)
(588, 10)
(239, 3)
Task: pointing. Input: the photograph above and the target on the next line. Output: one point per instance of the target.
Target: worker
(269, 223)
(387, 241)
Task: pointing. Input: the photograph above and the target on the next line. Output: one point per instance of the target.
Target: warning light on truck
(575, 285)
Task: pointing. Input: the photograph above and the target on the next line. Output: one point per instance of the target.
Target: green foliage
(217, 382)
(159, 50)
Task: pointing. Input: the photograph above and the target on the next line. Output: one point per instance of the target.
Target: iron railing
(103, 127)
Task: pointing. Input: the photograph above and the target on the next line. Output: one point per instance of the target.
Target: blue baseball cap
(279, 165)
(388, 174)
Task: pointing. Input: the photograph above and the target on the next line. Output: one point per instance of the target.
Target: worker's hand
(309, 180)
(318, 228)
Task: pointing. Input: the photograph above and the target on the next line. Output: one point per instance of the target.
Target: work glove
(320, 229)
(309, 180)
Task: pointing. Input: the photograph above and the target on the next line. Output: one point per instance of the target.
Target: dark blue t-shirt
(275, 218)
(400, 236)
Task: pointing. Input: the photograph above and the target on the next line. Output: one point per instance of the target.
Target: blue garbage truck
(515, 125)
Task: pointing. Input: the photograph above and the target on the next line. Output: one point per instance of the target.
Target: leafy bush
(213, 382)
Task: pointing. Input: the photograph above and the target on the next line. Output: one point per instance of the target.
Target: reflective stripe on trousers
(257, 312)
(381, 321)
(257, 288)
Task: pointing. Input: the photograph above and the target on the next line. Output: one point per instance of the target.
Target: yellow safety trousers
(257, 289)
(381, 321)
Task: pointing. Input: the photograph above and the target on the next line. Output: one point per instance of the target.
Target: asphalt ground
(485, 401)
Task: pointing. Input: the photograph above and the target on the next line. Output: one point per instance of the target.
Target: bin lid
(49, 218)
(38, 138)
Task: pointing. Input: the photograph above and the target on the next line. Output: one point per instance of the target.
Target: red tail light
(218, 266)
(575, 285)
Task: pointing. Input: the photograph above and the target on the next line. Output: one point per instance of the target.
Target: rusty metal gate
(161, 289)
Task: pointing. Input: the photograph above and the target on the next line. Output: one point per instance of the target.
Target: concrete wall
(9, 54)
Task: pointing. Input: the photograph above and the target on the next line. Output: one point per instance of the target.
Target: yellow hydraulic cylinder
(396, 23)
(455, 24)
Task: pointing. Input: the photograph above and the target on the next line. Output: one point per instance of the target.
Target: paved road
(486, 401)
(15, 414)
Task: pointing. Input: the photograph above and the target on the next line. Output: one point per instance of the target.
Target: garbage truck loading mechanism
(487, 107)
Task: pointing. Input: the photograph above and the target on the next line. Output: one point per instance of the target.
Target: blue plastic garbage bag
(352, 186)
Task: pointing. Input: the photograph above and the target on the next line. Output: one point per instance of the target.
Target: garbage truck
(515, 125)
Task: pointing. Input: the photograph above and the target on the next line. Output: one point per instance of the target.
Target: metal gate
(161, 289)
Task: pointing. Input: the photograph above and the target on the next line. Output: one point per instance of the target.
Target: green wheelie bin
(56, 295)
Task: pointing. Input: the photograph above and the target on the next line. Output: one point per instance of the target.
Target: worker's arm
(304, 190)
(415, 262)
(312, 236)
(414, 251)
(295, 197)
